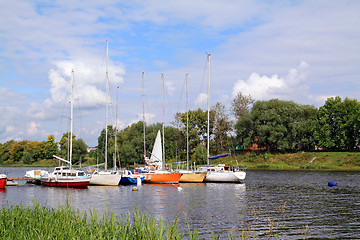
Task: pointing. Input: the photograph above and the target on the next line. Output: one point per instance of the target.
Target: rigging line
(180, 100)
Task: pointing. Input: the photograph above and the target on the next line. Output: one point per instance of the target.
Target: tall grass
(18, 222)
(40, 222)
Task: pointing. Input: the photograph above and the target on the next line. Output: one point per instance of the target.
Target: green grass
(39, 222)
(18, 222)
(330, 161)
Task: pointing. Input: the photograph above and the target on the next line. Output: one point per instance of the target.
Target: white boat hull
(225, 176)
(105, 179)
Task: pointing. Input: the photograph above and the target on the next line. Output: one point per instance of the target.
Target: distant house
(89, 149)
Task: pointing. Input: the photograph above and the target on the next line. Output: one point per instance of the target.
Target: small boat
(33, 176)
(222, 173)
(11, 182)
(3, 180)
(127, 178)
(65, 176)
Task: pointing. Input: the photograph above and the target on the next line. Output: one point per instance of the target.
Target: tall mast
(116, 115)
(187, 123)
(208, 113)
(71, 114)
(163, 125)
(106, 104)
(143, 98)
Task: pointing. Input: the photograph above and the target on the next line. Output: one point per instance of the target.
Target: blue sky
(305, 51)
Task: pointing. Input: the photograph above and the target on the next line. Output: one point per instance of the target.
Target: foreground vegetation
(39, 222)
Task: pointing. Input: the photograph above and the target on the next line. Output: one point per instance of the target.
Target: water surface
(299, 204)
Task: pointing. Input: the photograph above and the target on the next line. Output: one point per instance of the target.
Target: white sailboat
(218, 173)
(106, 178)
(66, 176)
(155, 170)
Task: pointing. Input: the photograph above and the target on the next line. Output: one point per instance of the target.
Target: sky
(304, 51)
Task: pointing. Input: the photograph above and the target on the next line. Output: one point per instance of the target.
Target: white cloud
(290, 87)
(33, 128)
(201, 99)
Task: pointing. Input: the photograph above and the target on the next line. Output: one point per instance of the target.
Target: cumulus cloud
(201, 99)
(291, 86)
(33, 128)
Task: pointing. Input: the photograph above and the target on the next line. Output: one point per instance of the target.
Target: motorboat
(222, 173)
(65, 176)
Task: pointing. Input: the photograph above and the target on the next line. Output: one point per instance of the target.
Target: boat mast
(143, 98)
(106, 103)
(71, 114)
(187, 123)
(116, 115)
(163, 125)
(208, 113)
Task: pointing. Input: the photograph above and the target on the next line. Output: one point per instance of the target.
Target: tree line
(273, 125)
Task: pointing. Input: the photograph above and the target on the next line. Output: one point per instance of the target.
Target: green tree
(79, 148)
(241, 104)
(5, 151)
(338, 125)
(222, 128)
(277, 124)
(51, 147)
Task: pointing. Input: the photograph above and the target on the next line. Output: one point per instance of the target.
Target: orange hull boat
(162, 177)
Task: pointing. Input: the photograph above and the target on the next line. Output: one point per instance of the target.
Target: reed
(37, 222)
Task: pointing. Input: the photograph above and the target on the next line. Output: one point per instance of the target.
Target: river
(298, 204)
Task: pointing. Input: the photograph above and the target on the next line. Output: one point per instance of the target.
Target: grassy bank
(330, 161)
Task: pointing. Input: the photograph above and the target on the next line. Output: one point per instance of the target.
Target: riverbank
(328, 161)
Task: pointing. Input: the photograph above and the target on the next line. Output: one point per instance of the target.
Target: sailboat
(155, 170)
(66, 176)
(188, 175)
(218, 173)
(106, 178)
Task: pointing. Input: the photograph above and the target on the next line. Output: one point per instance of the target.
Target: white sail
(156, 154)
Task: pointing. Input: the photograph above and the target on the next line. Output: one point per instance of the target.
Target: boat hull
(131, 180)
(192, 177)
(105, 179)
(3, 182)
(225, 177)
(167, 178)
(65, 183)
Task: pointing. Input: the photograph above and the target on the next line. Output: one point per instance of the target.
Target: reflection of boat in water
(3, 179)
(222, 173)
(33, 176)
